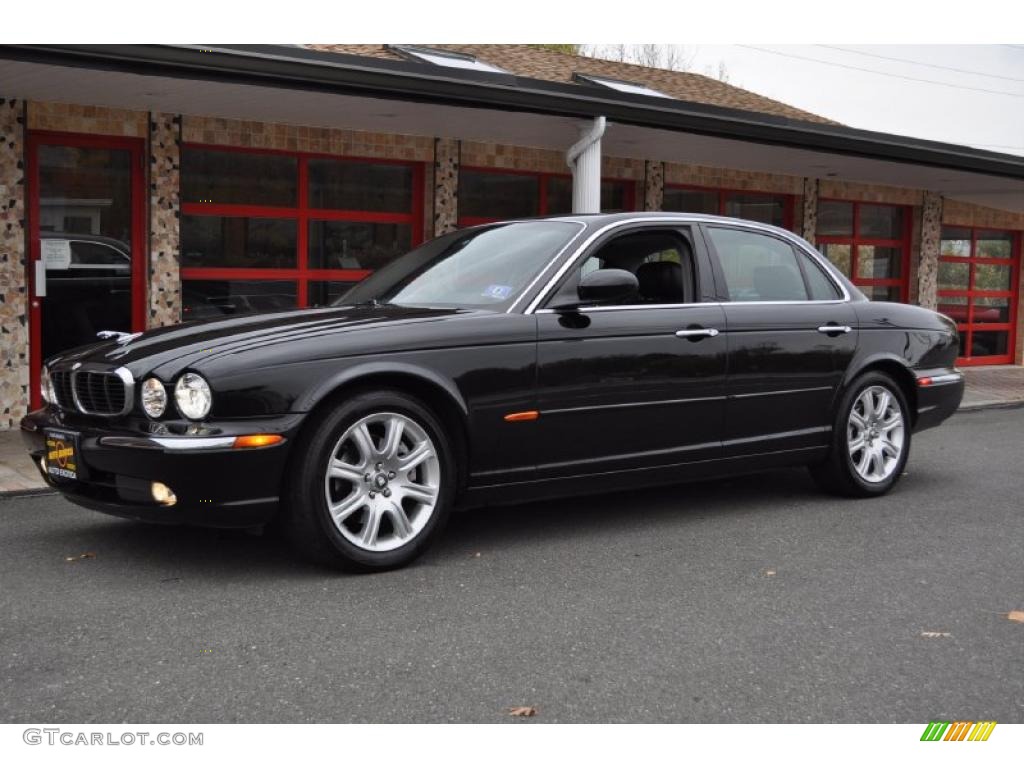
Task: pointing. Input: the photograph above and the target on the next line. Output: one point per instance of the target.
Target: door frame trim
(136, 146)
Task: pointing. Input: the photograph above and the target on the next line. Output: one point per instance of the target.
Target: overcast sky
(983, 110)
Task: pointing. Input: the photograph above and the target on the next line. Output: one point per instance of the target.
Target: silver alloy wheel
(875, 434)
(382, 481)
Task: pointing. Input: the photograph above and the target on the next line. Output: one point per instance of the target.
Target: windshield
(480, 268)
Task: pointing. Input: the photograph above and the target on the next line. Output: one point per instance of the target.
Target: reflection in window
(360, 186)
(206, 299)
(218, 241)
(356, 244)
(222, 177)
(758, 267)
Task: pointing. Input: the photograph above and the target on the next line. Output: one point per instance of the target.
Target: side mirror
(607, 286)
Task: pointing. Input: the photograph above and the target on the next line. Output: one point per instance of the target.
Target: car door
(791, 334)
(639, 383)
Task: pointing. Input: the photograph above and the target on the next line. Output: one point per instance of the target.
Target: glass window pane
(985, 343)
(884, 222)
(954, 307)
(768, 209)
(953, 276)
(991, 277)
(879, 262)
(613, 196)
(323, 293)
(822, 288)
(757, 267)
(560, 194)
(238, 178)
(356, 244)
(498, 195)
(956, 241)
(354, 186)
(991, 309)
(203, 299)
(838, 254)
(994, 245)
(690, 201)
(219, 241)
(835, 218)
(882, 292)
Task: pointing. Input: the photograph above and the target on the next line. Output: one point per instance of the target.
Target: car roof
(113, 242)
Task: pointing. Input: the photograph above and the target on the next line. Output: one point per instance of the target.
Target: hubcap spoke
(415, 457)
(343, 509)
(371, 527)
(393, 437)
(400, 521)
(343, 471)
(421, 493)
(364, 442)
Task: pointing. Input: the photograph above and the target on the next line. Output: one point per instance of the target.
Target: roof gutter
(304, 69)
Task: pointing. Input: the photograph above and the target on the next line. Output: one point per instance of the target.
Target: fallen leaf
(522, 711)
(769, 572)
(1017, 616)
(83, 556)
(935, 634)
(476, 554)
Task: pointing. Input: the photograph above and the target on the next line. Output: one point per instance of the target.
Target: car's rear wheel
(371, 485)
(870, 439)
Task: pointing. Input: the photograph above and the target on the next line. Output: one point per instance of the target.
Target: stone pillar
(446, 185)
(14, 368)
(928, 263)
(654, 185)
(164, 220)
(809, 230)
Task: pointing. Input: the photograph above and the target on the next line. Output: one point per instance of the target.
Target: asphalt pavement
(750, 600)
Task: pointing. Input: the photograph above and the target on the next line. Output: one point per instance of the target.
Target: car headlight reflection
(193, 396)
(46, 389)
(154, 398)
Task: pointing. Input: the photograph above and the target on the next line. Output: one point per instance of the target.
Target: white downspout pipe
(584, 158)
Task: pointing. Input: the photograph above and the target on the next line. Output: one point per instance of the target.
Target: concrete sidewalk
(988, 387)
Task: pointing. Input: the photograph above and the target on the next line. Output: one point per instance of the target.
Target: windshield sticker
(500, 292)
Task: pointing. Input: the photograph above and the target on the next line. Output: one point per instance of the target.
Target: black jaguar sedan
(502, 363)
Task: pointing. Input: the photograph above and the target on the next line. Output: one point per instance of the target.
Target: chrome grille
(99, 392)
(62, 387)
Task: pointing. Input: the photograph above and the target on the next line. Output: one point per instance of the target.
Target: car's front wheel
(371, 484)
(870, 439)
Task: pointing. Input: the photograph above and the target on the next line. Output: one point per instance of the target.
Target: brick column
(654, 185)
(14, 368)
(809, 229)
(164, 220)
(446, 185)
(928, 261)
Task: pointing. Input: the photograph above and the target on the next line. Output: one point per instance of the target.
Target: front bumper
(939, 392)
(214, 484)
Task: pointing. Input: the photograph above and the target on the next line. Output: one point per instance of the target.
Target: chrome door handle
(834, 329)
(697, 333)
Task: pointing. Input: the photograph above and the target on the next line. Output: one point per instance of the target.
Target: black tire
(306, 520)
(838, 473)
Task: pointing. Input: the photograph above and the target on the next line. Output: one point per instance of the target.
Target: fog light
(163, 495)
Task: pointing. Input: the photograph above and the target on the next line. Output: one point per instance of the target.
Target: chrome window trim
(794, 240)
(122, 373)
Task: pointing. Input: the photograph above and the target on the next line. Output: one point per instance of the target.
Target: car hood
(184, 345)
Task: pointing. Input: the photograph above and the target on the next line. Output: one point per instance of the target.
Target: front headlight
(154, 398)
(193, 397)
(46, 389)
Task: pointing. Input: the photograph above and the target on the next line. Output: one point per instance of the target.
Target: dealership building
(143, 185)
